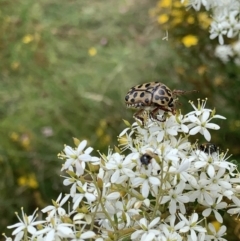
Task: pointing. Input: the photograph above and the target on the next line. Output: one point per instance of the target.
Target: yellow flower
(29, 181)
(201, 69)
(190, 20)
(163, 18)
(176, 21)
(14, 136)
(32, 181)
(25, 141)
(177, 13)
(178, 4)
(204, 20)
(218, 80)
(27, 38)
(164, 3)
(92, 51)
(106, 139)
(15, 65)
(22, 181)
(216, 225)
(103, 123)
(189, 40)
(177, 17)
(99, 132)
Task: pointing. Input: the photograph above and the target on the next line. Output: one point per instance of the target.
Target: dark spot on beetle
(142, 94)
(127, 97)
(147, 85)
(132, 100)
(169, 93)
(156, 97)
(147, 100)
(139, 86)
(164, 87)
(164, 98)
(161, 92)
(135, 94)
(167, 90)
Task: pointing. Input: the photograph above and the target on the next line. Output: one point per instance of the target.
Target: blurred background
(65, 68)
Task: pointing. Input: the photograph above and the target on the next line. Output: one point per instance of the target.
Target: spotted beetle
(152, 96)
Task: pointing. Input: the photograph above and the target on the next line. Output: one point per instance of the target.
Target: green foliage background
(65, 67)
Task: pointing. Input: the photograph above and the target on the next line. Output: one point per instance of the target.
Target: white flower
(216, 181)
(216, 235)
(218, 30)
(6, 237)
(200, 119)
(173, 225)
(236, 206)
(201, 192)
(122, 167)
(84, 193)
(108, 199)
(220, 160)
(224, 52)
(217, 204)
(126, 210)
(78, 158)
(191, 225)
(147, 181)
(81, 235)
(147, 231)
(126, 195)
(176, 196)
(125, 139)
(56, 230)
(26, 223)
(225, 16)
(233, 25)
(57, 208)
(161, 129)
(181, 120)
(202, 123)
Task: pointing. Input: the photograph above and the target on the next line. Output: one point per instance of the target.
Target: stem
(103, 208)
(160, 196)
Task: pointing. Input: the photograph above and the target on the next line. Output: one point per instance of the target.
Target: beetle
(208, 148)
(152, 96)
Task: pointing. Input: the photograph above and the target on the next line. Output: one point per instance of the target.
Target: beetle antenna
(183, 92)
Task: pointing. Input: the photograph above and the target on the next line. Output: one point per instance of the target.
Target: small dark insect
(208, 147)
(146, 159)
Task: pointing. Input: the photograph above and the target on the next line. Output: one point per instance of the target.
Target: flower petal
(195, 130)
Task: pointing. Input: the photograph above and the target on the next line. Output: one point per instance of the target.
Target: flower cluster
(157, 185)
(229, 52)
(225, 14)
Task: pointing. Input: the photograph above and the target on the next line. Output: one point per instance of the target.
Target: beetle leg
(153, 114)
(141, 115)
(138, 113)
